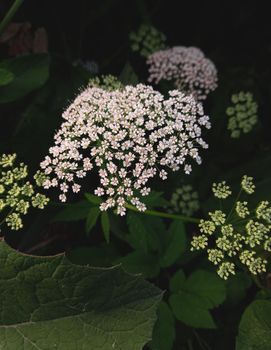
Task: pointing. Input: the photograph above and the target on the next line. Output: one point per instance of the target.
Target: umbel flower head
(240, 237)
(129, 136)
(242, 114)
(184, 200)
(147, 40)
(17, 194)
(186, 67)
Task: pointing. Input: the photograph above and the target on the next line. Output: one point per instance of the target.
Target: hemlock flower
(242, 209)
(147, 40)
(242, 236)
(184, 200)
(242, 114)
(16, 193)
(263, 211)
(247, 184)
(218, 217)
(207, 226)
(226, 269)
(221, 190)
(186, 67)
(129, 136)
(107, 82)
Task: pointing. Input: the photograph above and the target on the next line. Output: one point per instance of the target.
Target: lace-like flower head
(129, 136)
(187, 67)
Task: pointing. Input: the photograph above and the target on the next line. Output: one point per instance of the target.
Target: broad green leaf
(144, 232)
(49, 303)
(176, 245)
(138, 237)
(194, 297)
(92, 218)
(140, 262)
(208, 286)
(105, 226)
(30, 72)
(74, 212)
(255, 327)
(164, 330)
(6, 77)
(191, 310)
(177, 281)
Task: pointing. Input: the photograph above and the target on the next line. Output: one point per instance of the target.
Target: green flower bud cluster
(184, 200)
(242, 114)
(240, 237)
(106, 82)
(147, 40)
(17, 194)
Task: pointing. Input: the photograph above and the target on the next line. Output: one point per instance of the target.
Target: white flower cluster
(242, 114)
(129, 135)
(187, 67)
(184, 200)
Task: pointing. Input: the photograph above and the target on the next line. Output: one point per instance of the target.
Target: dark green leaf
(177, 281)
(93, 199)
(74, 212)
(255, 327)
(237, 286)
(140, 262)
(176, 245)
(6, 77)
(104, 255)
(155, 199)
(191, 310)
(30, 72)
(49, 303)
(105, 226)
(194, 297)
(164, 330)
(138, 237)
(92, 218)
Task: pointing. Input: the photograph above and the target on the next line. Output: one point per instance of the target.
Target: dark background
(237, 31)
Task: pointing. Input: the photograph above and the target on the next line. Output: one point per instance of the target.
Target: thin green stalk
(9, 15)
(164, 215)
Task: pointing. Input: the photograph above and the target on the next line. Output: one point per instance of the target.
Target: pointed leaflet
(193, 297)
(49, 303)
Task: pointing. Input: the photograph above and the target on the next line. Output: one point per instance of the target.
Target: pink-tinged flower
(187, 67)
(21, 39)
(132, 135)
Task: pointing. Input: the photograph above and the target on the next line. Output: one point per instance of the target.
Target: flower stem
(164, 215)
(9, 15)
